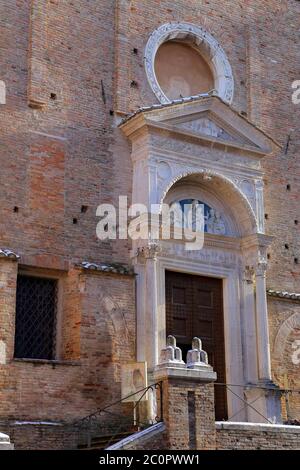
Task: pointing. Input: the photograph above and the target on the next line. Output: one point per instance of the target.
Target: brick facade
(71, 72)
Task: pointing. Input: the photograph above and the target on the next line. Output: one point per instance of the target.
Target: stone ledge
(37, 423)
(47, 362)
(261, 427)
(205, 374)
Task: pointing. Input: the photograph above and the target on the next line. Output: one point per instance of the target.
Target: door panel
(194, 307)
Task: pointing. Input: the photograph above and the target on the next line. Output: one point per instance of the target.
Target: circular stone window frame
(208, 47)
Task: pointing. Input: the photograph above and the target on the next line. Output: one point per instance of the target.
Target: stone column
(249, 326)
(150, 253)
(148, 351)
(267, 398)
(188, 398)
(263, 341)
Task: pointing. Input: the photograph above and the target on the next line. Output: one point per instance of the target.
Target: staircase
(101, 442)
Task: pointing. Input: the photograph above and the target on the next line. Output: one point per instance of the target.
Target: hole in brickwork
(268, 256)
(266, 216)
(286, 246)
(134, 50)
(296, 222)
(16, 209)
(288, 187)
(296, 261)
(53, 96)
(133, 84)
(111, 112)
(84, 209)
(75, 221)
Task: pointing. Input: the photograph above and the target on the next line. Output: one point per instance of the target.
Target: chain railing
(285, 397)
(117, 420)
(130, 414)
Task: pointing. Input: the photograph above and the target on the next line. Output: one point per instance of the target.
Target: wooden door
(194, 307)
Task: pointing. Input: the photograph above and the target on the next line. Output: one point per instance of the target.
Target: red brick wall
(98, 336)
(246, 437)
(68, 153)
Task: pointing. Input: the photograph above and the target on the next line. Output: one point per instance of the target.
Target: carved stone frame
(208, 46)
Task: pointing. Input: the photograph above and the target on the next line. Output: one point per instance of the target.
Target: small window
(36, 315)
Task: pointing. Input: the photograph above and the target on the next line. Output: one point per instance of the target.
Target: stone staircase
(102, 442)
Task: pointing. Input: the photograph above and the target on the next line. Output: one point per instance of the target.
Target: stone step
(100, 442)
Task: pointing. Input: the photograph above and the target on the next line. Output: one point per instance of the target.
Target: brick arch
(287, 327)
(230, 193)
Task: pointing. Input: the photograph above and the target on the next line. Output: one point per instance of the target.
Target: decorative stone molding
(249, 274)
(150, 251)
(208, 47)
(5, 253)
(261, 266)
(177, 174)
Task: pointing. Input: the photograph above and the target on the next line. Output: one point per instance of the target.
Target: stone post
(188, 397)
(263, 341)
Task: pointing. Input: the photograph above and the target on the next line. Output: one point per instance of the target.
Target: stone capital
(248, 274)
(149, 251)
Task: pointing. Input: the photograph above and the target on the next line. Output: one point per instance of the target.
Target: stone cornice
(191, 105)
(256, 240)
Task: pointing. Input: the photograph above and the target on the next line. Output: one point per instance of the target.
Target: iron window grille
(36, 317)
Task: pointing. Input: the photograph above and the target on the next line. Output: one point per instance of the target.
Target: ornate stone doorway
(200, 149)
(194, 307)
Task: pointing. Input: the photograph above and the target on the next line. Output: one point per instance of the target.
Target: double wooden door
(194, 307)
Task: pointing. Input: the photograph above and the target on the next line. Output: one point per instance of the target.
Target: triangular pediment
(206, 118)
(207, 126)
